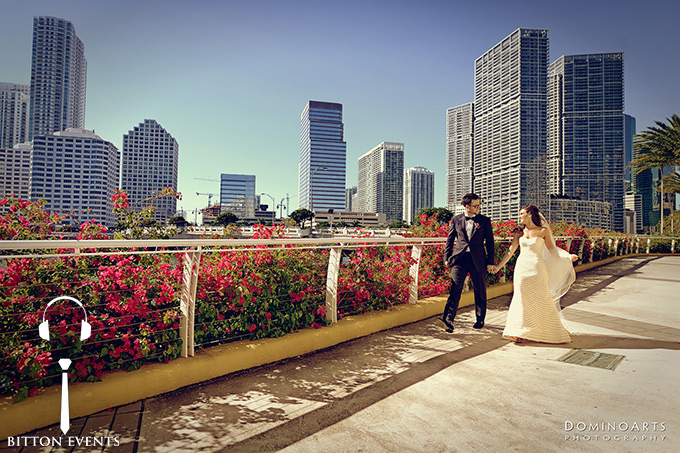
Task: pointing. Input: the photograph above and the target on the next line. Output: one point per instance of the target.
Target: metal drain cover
(592, 358)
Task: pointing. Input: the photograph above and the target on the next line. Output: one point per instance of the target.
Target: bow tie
(469, 218)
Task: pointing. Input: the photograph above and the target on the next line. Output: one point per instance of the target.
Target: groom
(472, 233)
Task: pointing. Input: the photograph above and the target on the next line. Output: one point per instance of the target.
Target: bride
(543, 274)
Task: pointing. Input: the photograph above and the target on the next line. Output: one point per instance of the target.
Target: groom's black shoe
(448, 326)
(479, 325)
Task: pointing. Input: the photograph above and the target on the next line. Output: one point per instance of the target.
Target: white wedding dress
(534, 310)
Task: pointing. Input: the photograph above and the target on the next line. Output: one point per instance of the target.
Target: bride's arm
(547, 237)
(550, 245)
(507, 256)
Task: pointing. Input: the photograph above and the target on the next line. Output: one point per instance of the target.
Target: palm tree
(672, 182)
(662, 146)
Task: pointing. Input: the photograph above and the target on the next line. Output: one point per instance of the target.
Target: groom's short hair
(468, 197)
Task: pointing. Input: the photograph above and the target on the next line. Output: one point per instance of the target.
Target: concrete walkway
(417, 388)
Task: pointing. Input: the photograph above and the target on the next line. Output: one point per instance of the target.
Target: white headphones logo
(44, 327)
(44, 332)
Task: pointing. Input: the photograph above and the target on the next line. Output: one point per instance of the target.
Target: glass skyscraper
(510, 128)
(237, 195)
(58, 77)
(150, 158)
(459, 156)
(323, 157)
(586, 129)
(380, 177)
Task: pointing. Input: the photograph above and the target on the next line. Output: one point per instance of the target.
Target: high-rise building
(14, 109)
(628, 134)
(459, 156)
(509, 127)
(381, 180)
(586, 130)
(58, 77)
(15, 168)
(645, 184)
(323, 157)
(237, 195)
(350, 195)
(633, 208)
(77, 173)
(150, 158)
(418, 191)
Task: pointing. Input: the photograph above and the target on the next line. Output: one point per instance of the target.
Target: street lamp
(273, 205)
(311, 187)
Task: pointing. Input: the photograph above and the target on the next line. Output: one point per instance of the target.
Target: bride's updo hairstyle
(533, 212)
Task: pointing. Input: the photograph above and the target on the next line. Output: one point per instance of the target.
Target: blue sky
(229, 79)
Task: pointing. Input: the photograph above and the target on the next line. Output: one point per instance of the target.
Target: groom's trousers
(459, 271)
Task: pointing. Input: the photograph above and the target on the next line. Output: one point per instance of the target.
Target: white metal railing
(193, 249)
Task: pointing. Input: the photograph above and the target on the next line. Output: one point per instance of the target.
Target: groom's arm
(450, 239)
(489, 245)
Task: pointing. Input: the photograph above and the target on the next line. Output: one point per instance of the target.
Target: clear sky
(229, 79)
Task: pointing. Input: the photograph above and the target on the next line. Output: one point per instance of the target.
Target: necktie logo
(65, 363)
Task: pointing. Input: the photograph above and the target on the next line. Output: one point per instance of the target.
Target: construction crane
(210, 195)
(206, 179)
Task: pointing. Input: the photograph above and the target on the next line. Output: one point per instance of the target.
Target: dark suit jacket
(482, 238)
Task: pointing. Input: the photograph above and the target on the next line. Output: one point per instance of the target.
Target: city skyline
(217, 75)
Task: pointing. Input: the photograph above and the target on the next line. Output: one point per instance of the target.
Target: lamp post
(311, 187)
(273, 205)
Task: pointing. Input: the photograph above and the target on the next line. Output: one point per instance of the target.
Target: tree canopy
(300, 216)
(226, 218)
(658, 147)
(443, 215)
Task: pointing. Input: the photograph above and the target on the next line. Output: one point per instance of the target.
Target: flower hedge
(132, 297)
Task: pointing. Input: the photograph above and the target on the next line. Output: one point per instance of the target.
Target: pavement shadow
(587, 341)
(325, 388)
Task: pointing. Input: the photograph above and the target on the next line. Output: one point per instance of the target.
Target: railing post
(332, 284)
(637, 244)
(649, 241)
(413, 272)
(673, 246)
(192, 261)
(609, 246)
(569, 244)
(616, 248)
(501, 278)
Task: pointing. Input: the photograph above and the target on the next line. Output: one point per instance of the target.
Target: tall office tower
(150, 156)
(58, 77)
(77, 172)
(15, 166)
(323, 157)
(381, 181)
(628, 134)
(350, 193)
(509, 128)
(586, 130)
(645, 184)
(633, 204)
(14, 105)
(418, 191)
(459, 157)
(237, 195)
